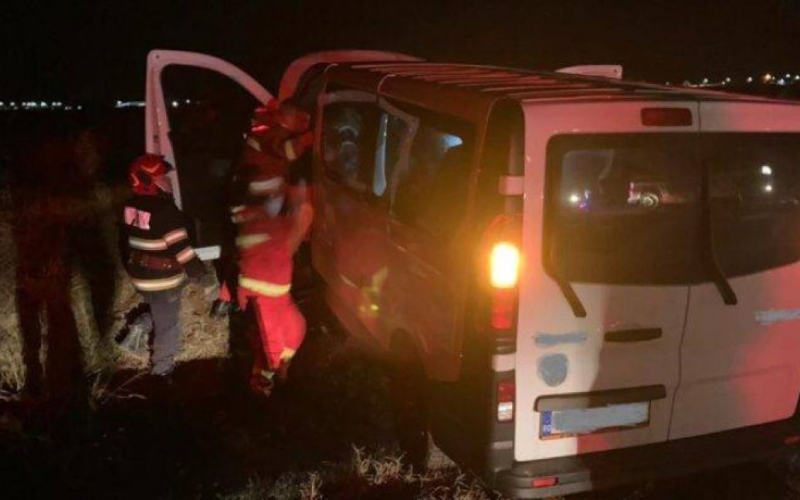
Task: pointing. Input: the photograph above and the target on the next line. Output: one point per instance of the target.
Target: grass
(368, 474)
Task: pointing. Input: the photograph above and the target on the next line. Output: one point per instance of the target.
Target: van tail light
(504, 265)
(544, 482)
(505, 401)
(504, 277)
(504, 309)
(501, 249)
(666, 117)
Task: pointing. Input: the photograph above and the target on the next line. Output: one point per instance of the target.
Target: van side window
(431, 192)
(349, 138)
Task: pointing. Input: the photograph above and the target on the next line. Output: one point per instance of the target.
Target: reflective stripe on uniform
(287, 354)
(250, 240)
(264, 287)
(288, 148)
(271, 184)
(185, 255)
(145, 244)
(158, 284)
(238, 219)
(175, 236)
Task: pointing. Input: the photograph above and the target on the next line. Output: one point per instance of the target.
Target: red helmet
(144, 171)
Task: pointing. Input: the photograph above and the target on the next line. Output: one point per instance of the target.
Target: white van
(583, 281)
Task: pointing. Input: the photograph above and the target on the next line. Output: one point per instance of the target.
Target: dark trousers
(165, 307)
(63, 364)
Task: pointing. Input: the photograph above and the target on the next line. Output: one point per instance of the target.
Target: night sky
(96, 50)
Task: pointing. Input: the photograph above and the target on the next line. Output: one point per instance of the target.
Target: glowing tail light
(505, 401)
(504, 265)
(504, 309)
(502, 274)
(544, 482)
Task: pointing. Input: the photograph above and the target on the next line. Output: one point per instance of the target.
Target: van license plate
(567, 423)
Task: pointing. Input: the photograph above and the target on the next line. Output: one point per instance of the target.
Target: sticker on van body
(556, 339)
(777, 316)
(552, 369)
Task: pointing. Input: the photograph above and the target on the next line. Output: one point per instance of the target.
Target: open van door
(197, 185)
(196, 198)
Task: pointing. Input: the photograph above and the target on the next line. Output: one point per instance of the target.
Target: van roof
(432, 83)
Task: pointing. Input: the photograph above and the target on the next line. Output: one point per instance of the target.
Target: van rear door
(607, 244)
(739, 361)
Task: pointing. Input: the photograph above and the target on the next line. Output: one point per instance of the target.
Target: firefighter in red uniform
(278, 136)
(268, 234)
(158, 256)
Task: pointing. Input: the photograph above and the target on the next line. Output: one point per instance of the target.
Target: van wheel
(409, 407)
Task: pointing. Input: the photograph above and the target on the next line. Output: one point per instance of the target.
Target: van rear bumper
(647, 463)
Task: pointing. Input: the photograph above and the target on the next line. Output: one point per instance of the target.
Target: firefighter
(158, 256)
(278, 136)
(268, 234)
(267, 238)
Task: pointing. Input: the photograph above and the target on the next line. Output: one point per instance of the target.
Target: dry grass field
(204, 338)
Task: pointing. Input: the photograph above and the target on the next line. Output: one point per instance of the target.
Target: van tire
(410, 409)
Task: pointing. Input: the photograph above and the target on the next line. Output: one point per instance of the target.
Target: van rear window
(631, 209)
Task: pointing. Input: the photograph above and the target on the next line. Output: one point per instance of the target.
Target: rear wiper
(572, 298)
(710, 257)
(565, 286)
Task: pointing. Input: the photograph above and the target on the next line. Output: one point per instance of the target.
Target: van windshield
(627, 209)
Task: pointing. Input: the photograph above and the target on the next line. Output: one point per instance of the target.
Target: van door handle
(633, 335)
